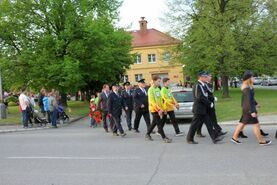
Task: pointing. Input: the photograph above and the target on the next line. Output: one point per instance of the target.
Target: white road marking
(78, 158)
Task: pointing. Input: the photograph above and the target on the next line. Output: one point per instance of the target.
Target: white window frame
(152, 58)
(138, 59)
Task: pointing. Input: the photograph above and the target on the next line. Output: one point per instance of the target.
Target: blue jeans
(24, 118)
(53, 115)
(92, 122)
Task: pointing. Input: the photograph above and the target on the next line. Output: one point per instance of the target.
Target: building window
(151, 58)
(138, 77)
(166, 56)
(138, 59)
(125, 78)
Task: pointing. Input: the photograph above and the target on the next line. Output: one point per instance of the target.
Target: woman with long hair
(249, 111)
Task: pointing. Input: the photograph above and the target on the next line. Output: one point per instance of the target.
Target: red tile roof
(151, 37)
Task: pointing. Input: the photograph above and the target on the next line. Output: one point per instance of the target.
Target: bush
(12, 99)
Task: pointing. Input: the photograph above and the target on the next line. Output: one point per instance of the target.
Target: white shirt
(143, 90)
(23, 101)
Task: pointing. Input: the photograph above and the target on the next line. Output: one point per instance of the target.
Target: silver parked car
(269, 81)
(185, 100)
(258, 80)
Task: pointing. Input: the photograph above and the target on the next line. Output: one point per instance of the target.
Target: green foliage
(62, 44)
(225, 37)
(12, 99)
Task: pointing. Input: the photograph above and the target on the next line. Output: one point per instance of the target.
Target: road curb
(40, 128)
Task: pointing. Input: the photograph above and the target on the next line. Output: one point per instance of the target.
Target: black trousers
(213, 119)
(197, 120)
(116, 124)
(139, 114)
(173, 120)
(159, 122)
(104, 119)
(129, 117)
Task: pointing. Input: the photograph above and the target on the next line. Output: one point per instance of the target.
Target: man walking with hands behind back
(141, 105)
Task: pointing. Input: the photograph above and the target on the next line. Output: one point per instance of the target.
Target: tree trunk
(216, 83)
(64, 99)
(225, 86)
(77, 96)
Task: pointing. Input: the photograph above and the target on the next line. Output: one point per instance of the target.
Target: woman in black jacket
(249, 112)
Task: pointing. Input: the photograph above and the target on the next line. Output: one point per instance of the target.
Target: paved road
(78, 155)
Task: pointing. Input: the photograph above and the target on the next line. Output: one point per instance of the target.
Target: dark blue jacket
(140, 98)
(115, 104)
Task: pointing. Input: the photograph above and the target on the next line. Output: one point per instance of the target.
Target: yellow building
(153, 56)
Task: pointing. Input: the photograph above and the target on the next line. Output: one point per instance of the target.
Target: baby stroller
(39, 118)
(62, 116)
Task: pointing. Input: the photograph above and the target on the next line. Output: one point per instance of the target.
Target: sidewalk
(264, 120)
(18, 128)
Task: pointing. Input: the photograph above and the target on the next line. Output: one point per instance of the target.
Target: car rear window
(183, 96)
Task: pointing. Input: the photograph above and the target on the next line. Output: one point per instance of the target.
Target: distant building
(153, 56)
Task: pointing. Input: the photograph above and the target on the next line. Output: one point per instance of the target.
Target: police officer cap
(203, 73)
(126, 83)
(115, 84)
(141, 81)
(247, 74)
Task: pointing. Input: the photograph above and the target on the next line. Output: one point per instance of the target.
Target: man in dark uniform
(200, 109)
(127, 96)
(141, 105)
(211, 112)
(103, 106)
(115, 106)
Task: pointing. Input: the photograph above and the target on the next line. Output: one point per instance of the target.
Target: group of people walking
(160, 102)
(155, 100)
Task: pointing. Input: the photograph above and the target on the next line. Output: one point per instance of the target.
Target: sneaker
(236, 141)
(167, 140)
(179, 134)
(265, 143)
(115, 134)
(158, 134)
(148, 137)
(123, 134)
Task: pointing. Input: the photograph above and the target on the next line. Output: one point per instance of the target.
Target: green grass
(74, 109)
(227, 109)
(230, 109)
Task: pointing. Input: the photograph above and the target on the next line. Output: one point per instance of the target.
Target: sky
(132, 10)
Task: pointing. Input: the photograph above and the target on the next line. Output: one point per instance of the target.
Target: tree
(62, 44)
(224, 37)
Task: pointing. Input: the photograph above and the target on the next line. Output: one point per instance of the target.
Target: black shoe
(136, 131)
(148, 137)
(276, 135)
(265, 143)
(123, 134)
(263, 133)
(236, 141)
(167, 140)
(222, 133)
(130, 129)
(241, 135)
(217, 139)
(179, 134)
(106, 130)
(192, 142)
(200, 135)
